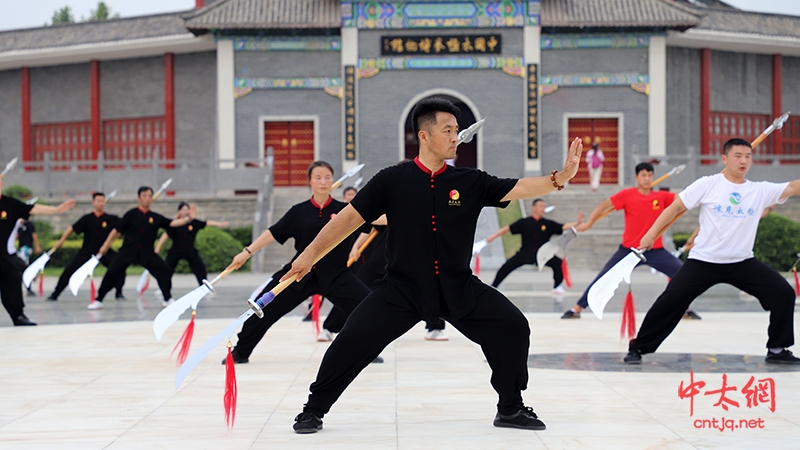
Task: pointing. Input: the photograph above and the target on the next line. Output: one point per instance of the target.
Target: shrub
(242, 234)
(216, 247)
(64, 255)
(777, 242)
(45, 233)
(18, 192)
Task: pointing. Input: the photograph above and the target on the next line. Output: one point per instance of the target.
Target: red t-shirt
(641, 211)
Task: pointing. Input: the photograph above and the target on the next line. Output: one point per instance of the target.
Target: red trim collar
(143, 211)
(330, 199)
(101, 215)
(426, 170)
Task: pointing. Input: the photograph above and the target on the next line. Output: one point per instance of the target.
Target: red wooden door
(606, 133)
(293, 150)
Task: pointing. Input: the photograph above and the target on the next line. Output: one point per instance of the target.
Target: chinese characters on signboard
(533, 111)
(441, 45)
(350, 113)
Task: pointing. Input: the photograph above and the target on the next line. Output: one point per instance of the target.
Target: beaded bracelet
(248, 250)
(553, 179)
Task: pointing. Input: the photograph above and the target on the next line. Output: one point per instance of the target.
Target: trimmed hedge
(216, 247)
(242, 234)
(64, 255)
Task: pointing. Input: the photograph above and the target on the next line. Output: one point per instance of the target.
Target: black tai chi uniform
(535, 233)
(329, 277)
(95, 230)
(140, 229)
(432, 220)
(183, 247)
(11, 209)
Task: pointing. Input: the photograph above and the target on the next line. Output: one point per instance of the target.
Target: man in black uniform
(28, 246)
(95, 227)
(535, 231)
(139, 225)
(432, 210)
(331, 277)
(10, 274)
(183, 238)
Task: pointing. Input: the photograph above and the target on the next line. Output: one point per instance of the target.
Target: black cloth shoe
(525, 419)
(236, 359)
(377, 360)
(120, 297)
(31, 293)
(306, 423)
(784, 357)
(23, 321)
(52, 299)
(571, 315)
(691, 315)
(633, 357)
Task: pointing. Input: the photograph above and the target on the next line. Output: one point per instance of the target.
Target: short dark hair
(644, 166)
(181, 205)
(143, 189)
(316, 164)
(97, 194)
(424, 113)
(537, 200)
(733, 142)
(349, 188)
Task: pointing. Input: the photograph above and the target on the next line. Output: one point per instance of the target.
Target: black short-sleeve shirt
(432, 219)
(534, 233)
(183, 237)
(303, 222)
(25, 234)
(11, 210)
(95, 230)
(140, 229)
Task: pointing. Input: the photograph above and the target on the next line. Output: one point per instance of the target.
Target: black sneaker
(52, 299)
(571, 315)
(23, 321)
(31, 293)
(306, 423)
(784, 357)
(691, 315)
(236, 359)
(377, 360)
(525, 419)
(120, 297)
(633, 357)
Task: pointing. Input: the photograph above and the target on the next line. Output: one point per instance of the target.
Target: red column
(27, 148)
(777, 89)
(705, 100)
(97, 124)
(169, 104)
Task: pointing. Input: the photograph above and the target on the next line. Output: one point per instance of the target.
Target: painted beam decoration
(533, 13)
(350, 113)
(441, 45)
(288, 83)
(284, 44)
(576, 41)
(533, 110)
(639, 82)
(411, 63)
(437, 14)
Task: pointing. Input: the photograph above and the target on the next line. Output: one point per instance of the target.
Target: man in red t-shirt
(642, 207)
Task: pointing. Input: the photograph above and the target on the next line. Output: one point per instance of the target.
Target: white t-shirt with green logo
(729, 216)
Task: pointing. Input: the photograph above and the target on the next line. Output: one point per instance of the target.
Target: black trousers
(149, 260)
(345, 293)
(79, 260)
(519, 260)
(495, 324)
(695, 277)
(194, 260)
(11, 286)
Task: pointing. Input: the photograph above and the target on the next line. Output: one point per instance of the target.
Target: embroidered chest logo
(544, 227)
(104, 224)
(454, 198)
(191, 228)
(735, 198)
(150, 220)
(3, 215)
(656, 205)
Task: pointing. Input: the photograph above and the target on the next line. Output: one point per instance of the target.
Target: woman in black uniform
(330, 276)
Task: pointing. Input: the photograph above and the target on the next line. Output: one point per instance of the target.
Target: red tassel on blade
(92, 291)
(478, 265)
(796, 283)
(628, 318)
(565, 269)
(231, 391)
(185, 341)
(41, 284)
(316, 301)
(146, 285)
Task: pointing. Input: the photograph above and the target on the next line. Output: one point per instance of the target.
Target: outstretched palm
(573, 157)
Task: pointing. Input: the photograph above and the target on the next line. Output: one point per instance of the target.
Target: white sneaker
(559, 291)
(324, 336)
(166, 303)
(95, 305)
(436, 335)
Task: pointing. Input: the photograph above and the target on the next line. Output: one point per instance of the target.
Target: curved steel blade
(162, 188)
(603, 289)
(142, 283)
(466, 135)
(478, 246)
(80, 275)
(30, 272)
(111, 195)
(9, 166)
(778, 123)
(172, 313)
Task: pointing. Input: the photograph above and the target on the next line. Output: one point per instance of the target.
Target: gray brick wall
(683, 100)
(60, 94)
(791, 88)
(195, 104)
(741, 82)
(287, 64)
(132, 88)
(606, 60)
(10, 115)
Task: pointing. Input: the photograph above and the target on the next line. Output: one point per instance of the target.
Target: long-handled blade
(32, 201)
(37, 266)
(555, 247)
(347, 175)
(465, 136)
(162, 188)
(478, 246)
(358, 182)
(9, 166)
(254, 294)
(111, 195)
(83, 272)
(549, 209)
(142, 283)
(603, 289)
(194, 359)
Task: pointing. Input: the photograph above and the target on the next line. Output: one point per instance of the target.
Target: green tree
(103, 12)
(63, 15)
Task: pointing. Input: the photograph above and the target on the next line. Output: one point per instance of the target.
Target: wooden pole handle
(363, 247)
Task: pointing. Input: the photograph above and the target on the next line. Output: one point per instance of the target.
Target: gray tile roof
(617, 13)
(750, 23)
(93, 32)
(266, 14)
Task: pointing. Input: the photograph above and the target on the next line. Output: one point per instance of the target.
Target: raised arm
(36, 247)
(677, 207)
(537, 186)
(567, 226)
(214, 223)
(63, 238)
(598, 211)
(792, 189)
(499, 233)
(347, 219)
(46, 209)
(262, 241)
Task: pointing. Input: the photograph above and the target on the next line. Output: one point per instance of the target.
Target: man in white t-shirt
(730, 208)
